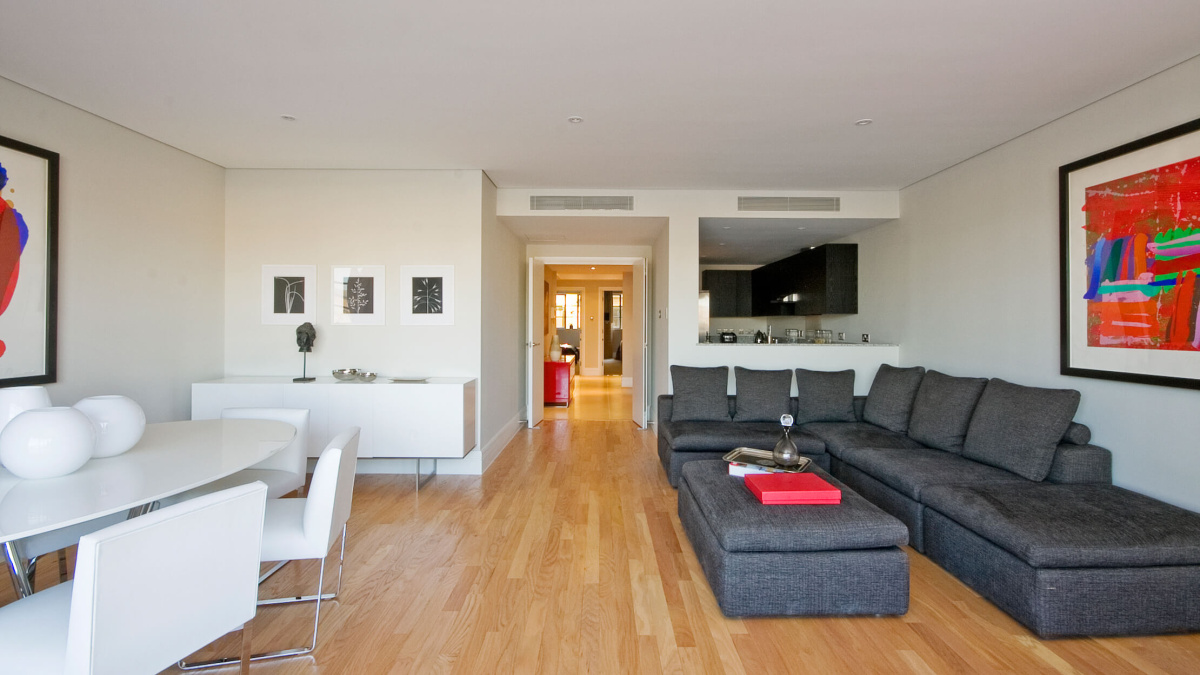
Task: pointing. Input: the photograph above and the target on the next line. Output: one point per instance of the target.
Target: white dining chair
(146, 592)
(283, 472)
(307, 528)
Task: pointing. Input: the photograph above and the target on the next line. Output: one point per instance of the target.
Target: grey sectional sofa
(994, 481)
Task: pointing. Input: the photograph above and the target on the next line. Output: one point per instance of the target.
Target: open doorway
(593, 351)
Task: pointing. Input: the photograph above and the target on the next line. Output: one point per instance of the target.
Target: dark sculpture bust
(306, 335)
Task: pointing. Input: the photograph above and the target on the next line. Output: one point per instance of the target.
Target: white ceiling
(758, 241)
(702, 94)
(589, 272)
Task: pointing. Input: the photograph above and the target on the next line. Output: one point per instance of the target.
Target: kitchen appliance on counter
(728, 337)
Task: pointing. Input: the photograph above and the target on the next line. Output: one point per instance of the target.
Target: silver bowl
(366, 376)
(346, 373)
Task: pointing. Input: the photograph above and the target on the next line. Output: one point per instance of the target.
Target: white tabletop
(171, 457)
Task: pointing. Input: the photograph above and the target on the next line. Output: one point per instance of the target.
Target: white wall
(326, 218)
(502, 380)
(140, 257)
(967, 280)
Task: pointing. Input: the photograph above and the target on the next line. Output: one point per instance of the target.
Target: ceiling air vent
(789, 203)
(580, 203)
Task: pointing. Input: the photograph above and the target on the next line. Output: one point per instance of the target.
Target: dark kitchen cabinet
(729, 292)
(822, 280)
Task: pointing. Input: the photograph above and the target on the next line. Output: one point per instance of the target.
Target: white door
(536, 333)
(635, 355)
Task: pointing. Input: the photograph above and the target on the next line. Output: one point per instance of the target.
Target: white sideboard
(433, 418)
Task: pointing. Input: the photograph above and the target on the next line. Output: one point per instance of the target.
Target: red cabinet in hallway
(559, 377)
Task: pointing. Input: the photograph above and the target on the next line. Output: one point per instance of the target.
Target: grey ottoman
(792, 560)
(1070, 560)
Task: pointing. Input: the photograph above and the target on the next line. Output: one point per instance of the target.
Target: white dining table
(170, 458)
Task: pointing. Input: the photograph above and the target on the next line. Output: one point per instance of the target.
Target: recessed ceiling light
(288, 118)
(725, 227)
(864, 122)
(799, 228)
(811, 247)
(593, 267)
(721, 243)
(575, 119)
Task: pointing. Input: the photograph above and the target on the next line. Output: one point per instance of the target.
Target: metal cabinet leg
(425, 479)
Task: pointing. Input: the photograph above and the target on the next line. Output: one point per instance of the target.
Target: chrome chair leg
(284, 653)
(309, 598)
(275, 568)
(17, 569)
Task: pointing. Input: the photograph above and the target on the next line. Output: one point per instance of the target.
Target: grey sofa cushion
(824, 396)
(942, 410)
(1017, 428)
(1049, 525)
(762, 395)
(725, 436)
(741, 523)
(890, 401)
(700, 393)
(839, 436)
(910, 472)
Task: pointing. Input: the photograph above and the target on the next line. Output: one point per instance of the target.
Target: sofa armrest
(1081, 464)
(666, 403)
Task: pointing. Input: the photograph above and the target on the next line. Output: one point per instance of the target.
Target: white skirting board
(497, 444)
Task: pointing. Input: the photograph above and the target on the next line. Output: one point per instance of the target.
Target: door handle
(533, 344)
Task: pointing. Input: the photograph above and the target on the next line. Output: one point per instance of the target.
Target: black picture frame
(1139, 157)
(45, 228)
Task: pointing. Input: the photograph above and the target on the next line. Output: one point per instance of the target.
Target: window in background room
(616, 310)
(566, 310)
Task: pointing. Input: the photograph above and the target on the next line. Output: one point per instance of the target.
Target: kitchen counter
(863, 358)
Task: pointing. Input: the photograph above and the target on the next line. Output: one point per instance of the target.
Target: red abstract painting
(1143, 254)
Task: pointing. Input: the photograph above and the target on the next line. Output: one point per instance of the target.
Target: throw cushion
(942, 410)
(890, 401)
(825, 396)
(762, 395)
(1018, 428)
(700, 394)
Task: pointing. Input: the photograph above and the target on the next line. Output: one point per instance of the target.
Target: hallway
(597, 399)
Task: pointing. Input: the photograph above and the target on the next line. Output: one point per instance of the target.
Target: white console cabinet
(434, 418)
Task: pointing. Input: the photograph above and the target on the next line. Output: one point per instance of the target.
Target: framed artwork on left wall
(28, 264)
(289, 294)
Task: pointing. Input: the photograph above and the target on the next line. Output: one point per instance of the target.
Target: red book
(792, 488)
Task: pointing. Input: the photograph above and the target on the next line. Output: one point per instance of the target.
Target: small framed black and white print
(289, 294)
(358, 294)
(430, 290)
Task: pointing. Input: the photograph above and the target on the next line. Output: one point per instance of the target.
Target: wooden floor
(599, 398)
(567, 557)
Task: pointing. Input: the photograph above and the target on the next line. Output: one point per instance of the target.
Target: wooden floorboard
(568, 557)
